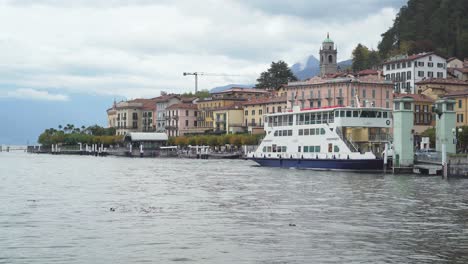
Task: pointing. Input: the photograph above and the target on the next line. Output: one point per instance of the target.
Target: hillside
(428, 25)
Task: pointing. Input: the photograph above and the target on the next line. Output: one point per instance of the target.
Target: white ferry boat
(331, 138)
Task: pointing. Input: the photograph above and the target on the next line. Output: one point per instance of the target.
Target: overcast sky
(50, 49)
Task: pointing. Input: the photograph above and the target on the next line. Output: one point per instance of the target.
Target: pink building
(370, 90)
(181, 119)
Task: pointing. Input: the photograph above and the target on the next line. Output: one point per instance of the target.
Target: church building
(328, 54)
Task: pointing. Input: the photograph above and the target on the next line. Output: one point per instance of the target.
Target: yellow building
(461, 106)
(228, 119)
(437, 88)
(206, 107)
(255, 110)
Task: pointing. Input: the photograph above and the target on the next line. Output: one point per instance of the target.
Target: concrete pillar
(445, 123)
(403, 121)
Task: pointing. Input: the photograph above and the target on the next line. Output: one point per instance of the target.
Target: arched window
(330, 58)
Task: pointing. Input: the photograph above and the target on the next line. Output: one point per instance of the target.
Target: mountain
(229, 86)
(312, 67)
(428, 25)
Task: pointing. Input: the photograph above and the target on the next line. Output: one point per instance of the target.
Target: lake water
(57, 209)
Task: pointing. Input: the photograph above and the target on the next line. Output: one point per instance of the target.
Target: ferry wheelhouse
(332, 138)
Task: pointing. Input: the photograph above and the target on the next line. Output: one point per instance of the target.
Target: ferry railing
(348, 143)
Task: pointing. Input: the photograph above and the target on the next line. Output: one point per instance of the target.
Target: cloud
(140, 48)
(31, 94)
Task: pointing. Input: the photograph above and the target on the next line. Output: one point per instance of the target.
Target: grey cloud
(331, 10)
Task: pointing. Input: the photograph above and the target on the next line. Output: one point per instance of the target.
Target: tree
(360, 58)
(278, 74)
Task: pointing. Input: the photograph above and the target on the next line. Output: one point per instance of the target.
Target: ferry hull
(323, 164)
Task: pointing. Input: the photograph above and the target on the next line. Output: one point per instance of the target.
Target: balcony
(170, 127)
(255, 125)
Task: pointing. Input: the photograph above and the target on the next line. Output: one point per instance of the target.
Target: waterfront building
(206, 107)
(254, 111)
(461, 106)
(406, 71)
(181, 119)
(438, 87)
(162, 102)
(228, 119)
(132, 116)
(460, 73)
(371, 90)
(328, 59)
(239, 92)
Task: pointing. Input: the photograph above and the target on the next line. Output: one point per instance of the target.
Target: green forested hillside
(428, 25)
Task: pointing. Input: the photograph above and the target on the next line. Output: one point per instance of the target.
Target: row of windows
(313, 149)
(283, 133)
(417, 64)
(425, 108)
(260, 112)
(311, 131)
(274, 148)
(430, 74)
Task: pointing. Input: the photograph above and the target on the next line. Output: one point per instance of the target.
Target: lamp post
(455, 133)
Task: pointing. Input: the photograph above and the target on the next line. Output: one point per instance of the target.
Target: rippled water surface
(57, 209)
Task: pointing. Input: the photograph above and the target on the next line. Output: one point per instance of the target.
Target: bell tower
(327, 54)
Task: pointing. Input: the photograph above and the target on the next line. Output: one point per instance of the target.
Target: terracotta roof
(462, 70)
(221, 99)
(416, 97)
(164, 98)
(368, 72)
(241, 90)
(266, 101)
(443, 81)
(188, 99)
(457, 94)
(181, 106)
(410, 58)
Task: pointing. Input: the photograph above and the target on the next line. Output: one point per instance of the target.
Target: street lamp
(455, 133)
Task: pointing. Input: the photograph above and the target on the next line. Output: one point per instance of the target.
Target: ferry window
(317, 149)
(348, 113)
(290, 117)
(285, 133)
(355, 114)
(299, 149)
(379, 114)
(269, 149)
(312, 118)
(337, 113)
(274, 148)
(312, 131)
(301, 132)
(322, 131)
(330, 118)
(342, 113)
(336, 149)
(385, 114)
(306, 132)
(306, 148)
(319, 118)
(289, 132)
(317, 131)
(372, 114)
(283, 149)
(275, 121)
(311, 148)
(301, 119)
(307, 118)
(330, 147)
(324, 117)
(280, 133)
(264, 149)
(276, 134)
